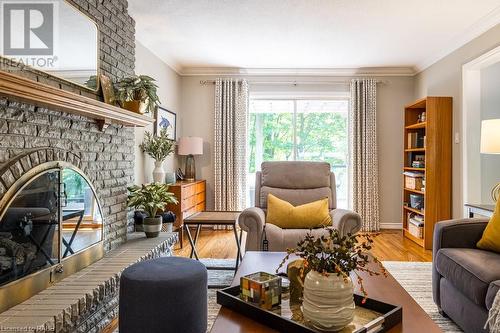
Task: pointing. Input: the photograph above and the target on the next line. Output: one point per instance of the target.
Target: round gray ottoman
(164, 295)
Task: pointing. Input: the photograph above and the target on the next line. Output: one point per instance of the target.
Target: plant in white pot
(159, 148)
(151, 199)
(328, 296)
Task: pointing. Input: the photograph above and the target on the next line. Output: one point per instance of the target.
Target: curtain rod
(293, 83)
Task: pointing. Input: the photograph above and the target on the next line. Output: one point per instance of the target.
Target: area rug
(217, 279)
(416, 279)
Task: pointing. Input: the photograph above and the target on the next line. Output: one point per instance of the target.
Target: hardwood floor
(390, 245)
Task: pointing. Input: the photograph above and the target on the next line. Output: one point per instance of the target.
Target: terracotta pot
(328, 301)
(152, 226)
(135, 106)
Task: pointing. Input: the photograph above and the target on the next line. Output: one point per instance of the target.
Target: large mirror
(53, 37)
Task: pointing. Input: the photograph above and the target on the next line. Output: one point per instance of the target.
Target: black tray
(385, 316)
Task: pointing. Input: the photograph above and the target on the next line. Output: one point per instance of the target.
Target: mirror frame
(27, 68)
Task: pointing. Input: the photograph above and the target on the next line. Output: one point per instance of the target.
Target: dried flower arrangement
(336, 254)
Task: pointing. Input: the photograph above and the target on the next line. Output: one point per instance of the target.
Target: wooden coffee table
(415, 320)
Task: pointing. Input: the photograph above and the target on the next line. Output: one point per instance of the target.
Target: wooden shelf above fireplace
(42, 95)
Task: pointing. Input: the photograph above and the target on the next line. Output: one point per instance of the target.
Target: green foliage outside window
(320, 136)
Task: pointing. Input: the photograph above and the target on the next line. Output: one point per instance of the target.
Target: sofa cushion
(470, 270)
(492, 292)
(295, 174)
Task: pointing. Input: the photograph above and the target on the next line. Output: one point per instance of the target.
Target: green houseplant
(138, 93)
(151, 198)
(328, 301)
(159, 148)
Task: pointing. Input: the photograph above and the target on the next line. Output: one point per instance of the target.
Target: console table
(191, 196)
(479, 209)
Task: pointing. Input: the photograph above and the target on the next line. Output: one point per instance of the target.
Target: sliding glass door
(300, 130)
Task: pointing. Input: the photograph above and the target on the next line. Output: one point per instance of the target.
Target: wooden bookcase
(436, 150)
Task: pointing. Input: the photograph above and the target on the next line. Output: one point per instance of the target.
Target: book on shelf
(416, 140)
(412, 140)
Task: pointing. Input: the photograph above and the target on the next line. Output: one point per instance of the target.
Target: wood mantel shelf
(42, 95)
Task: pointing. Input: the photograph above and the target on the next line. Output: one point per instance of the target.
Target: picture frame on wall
(166, 119)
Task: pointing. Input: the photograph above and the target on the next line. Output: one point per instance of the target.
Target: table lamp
(190, 146)
(490, 144)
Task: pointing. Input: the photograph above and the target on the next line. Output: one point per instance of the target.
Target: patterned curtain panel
(231, 111)
(364, 159)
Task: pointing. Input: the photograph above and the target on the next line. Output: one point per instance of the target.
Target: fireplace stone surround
(33, 135)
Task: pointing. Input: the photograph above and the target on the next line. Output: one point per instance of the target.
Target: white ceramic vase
(159, 173)
(328, 301)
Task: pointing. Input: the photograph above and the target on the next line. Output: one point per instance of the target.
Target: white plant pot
(169, 227)
(159, 173)
(328, 301)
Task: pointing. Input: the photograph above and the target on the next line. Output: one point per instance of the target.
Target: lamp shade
(490, 136)
(190, 145)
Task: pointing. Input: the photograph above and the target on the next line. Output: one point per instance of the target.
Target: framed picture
(108, 91)
(166, 119)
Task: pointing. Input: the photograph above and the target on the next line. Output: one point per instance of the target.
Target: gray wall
(169, 92)
(444, 78)
(490, 109)
(107, 158)
(198, 120)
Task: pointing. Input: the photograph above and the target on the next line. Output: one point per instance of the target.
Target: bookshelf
(427, 167)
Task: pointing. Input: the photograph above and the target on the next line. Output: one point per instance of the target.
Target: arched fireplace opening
(51, 225)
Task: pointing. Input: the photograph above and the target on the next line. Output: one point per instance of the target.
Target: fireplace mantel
(25, 90)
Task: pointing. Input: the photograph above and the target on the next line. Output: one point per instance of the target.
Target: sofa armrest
(462, 233)
(252, 221)
(346, 221)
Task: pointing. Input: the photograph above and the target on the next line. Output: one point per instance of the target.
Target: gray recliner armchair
(298, 183)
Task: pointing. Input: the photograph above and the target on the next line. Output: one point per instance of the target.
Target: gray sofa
(465, 279)
(298, 183)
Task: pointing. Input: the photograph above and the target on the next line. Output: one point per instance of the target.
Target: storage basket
(413, 183)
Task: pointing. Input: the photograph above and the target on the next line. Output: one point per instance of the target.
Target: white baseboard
(391, 226)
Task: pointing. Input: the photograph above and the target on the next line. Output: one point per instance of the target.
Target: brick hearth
(88, 300)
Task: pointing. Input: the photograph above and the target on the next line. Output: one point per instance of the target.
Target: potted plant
(138, 93)
(159, 148)
(151, 199)
(328, 301)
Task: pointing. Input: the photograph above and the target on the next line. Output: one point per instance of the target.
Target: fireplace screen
(55, 215)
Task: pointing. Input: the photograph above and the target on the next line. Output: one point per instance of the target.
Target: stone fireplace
(63, 191)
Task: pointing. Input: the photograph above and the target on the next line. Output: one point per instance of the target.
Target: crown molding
(368, 71)
(481, 26)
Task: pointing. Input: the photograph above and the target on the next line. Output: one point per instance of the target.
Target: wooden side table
(213, 218)
(191, 196)
(479, 209)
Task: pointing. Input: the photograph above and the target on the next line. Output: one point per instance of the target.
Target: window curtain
(231, 113)
(364, 159)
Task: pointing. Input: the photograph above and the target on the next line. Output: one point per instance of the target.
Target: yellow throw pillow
(491, 235)
(284, 215)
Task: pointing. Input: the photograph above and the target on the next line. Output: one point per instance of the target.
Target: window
(299, 130)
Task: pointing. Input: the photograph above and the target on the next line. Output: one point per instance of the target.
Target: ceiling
(193, 35)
